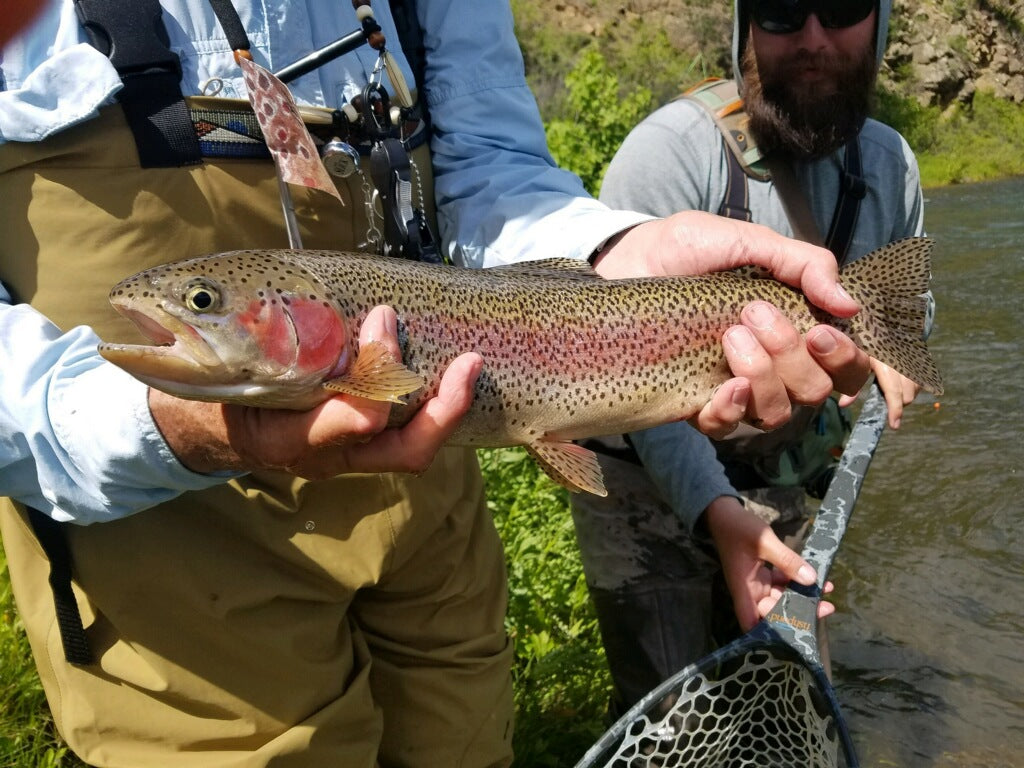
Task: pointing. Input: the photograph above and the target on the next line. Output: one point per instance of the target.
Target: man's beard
(798, 120)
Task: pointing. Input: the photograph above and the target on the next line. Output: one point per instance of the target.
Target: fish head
(245, 327)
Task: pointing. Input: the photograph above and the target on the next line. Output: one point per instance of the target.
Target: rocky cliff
(943, 52)
(939, 52)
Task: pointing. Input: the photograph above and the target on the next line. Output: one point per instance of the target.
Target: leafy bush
(561, 679)
(977, 142)
(598, 121)
(919, 125)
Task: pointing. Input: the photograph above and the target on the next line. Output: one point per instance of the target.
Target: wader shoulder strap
(736, 203)
(132, 34)
(852, 190)
(721, 99)
(52, 539)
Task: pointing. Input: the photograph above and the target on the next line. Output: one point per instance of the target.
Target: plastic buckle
(854, 186)
(136, 43)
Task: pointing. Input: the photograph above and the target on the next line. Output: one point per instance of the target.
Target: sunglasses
(781, 17)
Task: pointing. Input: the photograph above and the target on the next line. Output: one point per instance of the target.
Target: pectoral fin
(570, 465)
(376, 375)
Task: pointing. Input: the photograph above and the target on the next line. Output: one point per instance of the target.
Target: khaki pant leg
(441, 673)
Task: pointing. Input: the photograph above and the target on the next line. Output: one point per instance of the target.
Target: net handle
(836, 508)
(794, 616)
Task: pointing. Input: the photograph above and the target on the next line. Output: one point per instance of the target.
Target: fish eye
(202, 297)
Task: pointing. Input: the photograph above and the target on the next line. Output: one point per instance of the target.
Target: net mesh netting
(756, 710)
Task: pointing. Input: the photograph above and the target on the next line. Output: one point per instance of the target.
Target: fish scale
(567, 355)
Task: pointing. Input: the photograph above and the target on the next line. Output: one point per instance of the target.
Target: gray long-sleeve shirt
(676, 160)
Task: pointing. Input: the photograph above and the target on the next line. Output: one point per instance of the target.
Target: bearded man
(805, 71)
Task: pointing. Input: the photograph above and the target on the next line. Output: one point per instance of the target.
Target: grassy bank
(27, 736)
(982, 141)
(560, 676)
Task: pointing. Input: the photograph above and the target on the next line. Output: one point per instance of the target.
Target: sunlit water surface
(928, 643)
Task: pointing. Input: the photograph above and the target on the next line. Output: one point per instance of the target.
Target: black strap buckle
(136, 43)
(132, 34)
(853, 185)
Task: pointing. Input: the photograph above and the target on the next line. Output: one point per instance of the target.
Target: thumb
(788, 562)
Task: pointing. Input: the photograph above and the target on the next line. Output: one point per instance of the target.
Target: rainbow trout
(567, 354)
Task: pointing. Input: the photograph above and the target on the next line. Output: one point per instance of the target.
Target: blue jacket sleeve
(500, 196)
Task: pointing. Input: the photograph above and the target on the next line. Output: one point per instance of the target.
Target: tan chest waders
(269, 620)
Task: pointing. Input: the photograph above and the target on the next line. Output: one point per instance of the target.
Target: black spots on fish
(902, 267)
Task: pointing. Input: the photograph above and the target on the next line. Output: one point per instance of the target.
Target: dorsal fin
(555, 267)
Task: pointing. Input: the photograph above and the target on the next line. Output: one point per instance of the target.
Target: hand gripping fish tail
(567, 355)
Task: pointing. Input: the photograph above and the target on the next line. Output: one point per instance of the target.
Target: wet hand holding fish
(567, 354)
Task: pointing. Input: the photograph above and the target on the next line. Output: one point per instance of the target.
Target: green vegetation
(561, 680)
(977, 142)
(27, 736)
(599, 120)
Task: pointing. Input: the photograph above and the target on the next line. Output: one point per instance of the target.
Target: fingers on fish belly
(569, 465)
(376, 375)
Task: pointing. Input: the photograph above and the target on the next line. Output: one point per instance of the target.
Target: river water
(928, 641)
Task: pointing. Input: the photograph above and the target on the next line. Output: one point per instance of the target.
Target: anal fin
(569, 465)
(376, 375)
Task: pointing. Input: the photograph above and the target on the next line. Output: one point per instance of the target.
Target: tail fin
(889, 284)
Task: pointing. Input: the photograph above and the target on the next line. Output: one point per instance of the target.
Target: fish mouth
(178, 353)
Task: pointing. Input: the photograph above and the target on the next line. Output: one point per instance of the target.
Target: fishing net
(764, 700)
(755, 703)
(755, 710)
